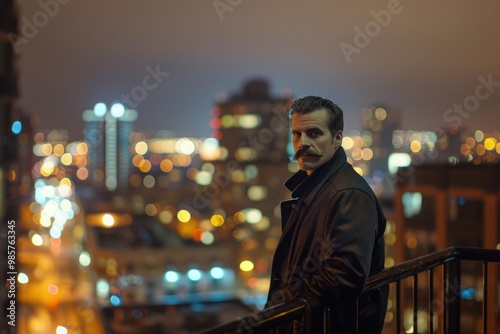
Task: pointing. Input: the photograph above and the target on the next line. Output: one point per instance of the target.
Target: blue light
(17, 127)
(100, 109)
(217, 272)
(117, 110)
(115, 300)
(171, 276)
(468, 293)
(194, 275)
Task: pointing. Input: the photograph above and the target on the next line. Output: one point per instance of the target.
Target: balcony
(441, 311)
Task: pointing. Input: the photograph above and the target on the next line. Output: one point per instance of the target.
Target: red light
(197, 234)
(215, 123)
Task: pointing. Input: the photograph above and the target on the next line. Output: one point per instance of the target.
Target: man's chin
(307, 165)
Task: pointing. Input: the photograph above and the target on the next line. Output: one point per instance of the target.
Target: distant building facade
(443, 205)
(252, 129)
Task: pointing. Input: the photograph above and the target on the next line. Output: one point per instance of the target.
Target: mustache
(309, 151)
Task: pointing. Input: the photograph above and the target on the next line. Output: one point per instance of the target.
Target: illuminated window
(249, 121)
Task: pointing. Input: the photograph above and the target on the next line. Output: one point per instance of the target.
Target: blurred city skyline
(435, 63)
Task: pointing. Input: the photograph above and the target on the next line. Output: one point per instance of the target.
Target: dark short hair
(307, 104)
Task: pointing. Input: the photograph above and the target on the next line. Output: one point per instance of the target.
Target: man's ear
(337, 139)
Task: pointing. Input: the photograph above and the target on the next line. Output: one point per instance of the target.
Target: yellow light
(490, 143)
(186, 230)
(227, 121)
(185, 146)
(37, 240)
(367, 154)
(253, 216)
(246, 265)
(136, 160)
(244, 154)
(480, 149)
(47, 168)
(347, 143)
(145, 166)
(184, 216)
(415, 146)
(66, 182)
(411, 242)
(239, 217)
(471, 142)
(249, 121)
(82, 149)
(380, 114)
(181, 160)
(238, 176)
(359, 170)
(46, 149)
(217, 220)
(166, 165)
(141, 148)
(45, 221)
(66, 159)
(59, 150)
(465, 149)
(390, 239)
(81, 161)
(357, 154)
(257, 193)
(108, 220)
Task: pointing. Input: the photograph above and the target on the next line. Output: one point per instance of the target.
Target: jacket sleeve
(350, 228)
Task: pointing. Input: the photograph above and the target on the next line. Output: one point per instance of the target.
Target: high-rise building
(378, 124)
(10, 127)
(107, 133)
(247, 186)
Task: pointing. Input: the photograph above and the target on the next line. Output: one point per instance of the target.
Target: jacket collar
(306, 186)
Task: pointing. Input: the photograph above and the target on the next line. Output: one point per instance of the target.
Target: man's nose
(304, 141)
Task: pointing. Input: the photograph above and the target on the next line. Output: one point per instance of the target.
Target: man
(333, 226)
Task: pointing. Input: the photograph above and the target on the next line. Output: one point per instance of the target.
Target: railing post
(485, 297)
(431, 300)
(452, 297)
(327, 315)
(415, 303)
(398, 306)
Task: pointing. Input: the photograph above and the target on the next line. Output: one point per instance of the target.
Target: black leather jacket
(332, 240)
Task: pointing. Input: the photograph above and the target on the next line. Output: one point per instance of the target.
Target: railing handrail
(425, 262)
(280, 313)
(268, 317)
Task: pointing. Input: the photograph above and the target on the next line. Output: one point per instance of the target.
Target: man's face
(313, 143)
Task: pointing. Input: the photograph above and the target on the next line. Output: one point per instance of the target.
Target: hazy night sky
(422, 59)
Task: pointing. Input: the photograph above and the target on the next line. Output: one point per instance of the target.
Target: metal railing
(443, 299)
